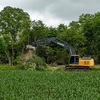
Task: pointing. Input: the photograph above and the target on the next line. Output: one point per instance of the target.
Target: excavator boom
(59, 42)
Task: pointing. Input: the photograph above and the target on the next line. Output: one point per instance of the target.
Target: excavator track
(77, 68)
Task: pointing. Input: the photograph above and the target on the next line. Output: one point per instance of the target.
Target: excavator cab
(74, 59)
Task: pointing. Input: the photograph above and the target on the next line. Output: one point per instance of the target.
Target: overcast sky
(54, 12)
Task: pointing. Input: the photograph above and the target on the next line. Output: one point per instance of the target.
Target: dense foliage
(48, 85)
(32, 63)
(17, 30)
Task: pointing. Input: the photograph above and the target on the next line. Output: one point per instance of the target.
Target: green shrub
(27, 65)
(40, 63)
(33, 63)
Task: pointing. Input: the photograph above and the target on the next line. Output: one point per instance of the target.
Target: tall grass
(7, 67)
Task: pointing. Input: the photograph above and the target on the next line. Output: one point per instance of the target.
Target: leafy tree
(14, 22)
(38, 31)
(52, 32)
(62, 30)
(76, 37)
(73, 35)
(90, 24)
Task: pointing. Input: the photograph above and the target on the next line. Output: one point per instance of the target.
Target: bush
(33, 63)
(40, 63)
(28, 64)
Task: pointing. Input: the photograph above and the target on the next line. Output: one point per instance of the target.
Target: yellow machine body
(86, 62)
(80, 63)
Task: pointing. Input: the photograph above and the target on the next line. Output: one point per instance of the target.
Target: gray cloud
(65, 9)
(61, 9)
(71, 10)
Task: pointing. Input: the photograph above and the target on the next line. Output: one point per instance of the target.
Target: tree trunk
(12, 57)
(8, 57)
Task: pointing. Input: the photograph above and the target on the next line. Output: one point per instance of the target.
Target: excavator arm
(57, 41)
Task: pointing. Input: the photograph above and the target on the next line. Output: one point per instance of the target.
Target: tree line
(17, 30)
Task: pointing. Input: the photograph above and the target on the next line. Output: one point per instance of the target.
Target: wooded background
(17, 30)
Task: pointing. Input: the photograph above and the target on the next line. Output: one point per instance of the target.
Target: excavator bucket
(30, 47)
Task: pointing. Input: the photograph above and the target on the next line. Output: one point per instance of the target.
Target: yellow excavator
(75, 61)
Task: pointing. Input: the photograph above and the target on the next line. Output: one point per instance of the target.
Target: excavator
(75, 61)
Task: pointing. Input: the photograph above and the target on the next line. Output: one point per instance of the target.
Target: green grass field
(49, 85)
